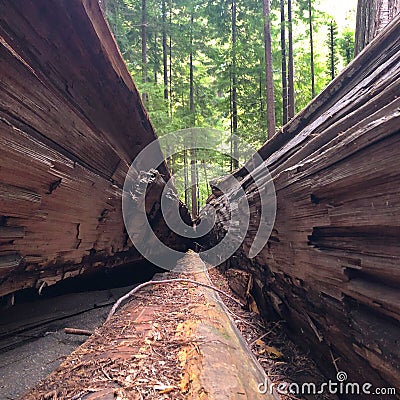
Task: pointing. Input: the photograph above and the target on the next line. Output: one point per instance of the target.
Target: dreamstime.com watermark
(338, 386)
(198, 141)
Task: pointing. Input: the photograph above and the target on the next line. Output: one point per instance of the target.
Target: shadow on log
(331, 265)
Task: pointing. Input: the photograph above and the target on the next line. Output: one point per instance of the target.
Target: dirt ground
(141, 354)
(28, 357)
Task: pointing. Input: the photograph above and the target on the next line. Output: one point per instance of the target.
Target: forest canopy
(203, 64)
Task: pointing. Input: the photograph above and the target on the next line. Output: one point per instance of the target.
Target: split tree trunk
(331, 265)
(73, 114)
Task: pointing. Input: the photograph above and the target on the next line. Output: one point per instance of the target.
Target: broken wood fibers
(171, 342)
(71, 122)
(331, 266)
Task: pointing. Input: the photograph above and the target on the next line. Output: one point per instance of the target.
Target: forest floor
(29, 355)
(176, 342)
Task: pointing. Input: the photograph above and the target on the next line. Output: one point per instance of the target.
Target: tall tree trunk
(164, 48)
(206, 177)
(193, 182)
(372, 17)
(144, 46)
(291, 104)
(193, 172)
(156, 66)
(269, 73)
(332, 50)
(235, 161)
(231, 118)
(284, 71)
(191, 77)
(186, 175)
(310, 21)
(170, 59)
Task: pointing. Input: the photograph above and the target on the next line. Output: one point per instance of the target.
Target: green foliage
(346, 46)
(212, 64)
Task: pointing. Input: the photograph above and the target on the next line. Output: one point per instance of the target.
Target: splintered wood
(71, 123)
(173, 341)
(331, 266)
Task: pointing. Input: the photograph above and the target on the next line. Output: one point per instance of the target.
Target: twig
(73, 331)
(260, 338)
(334, 361)
(265, 334)
(314, 328)
(141, 286)
(51, 395)
(240, 319)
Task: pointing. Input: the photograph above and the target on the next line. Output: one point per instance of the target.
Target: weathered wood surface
(71, 122)
(331, 267)
(173, 341)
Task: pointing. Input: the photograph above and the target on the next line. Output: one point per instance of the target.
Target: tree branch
(141, 286)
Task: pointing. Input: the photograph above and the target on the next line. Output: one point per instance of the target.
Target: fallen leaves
(164, 389)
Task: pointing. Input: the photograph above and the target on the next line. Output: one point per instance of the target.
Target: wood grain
(331, 267)
(71, 123)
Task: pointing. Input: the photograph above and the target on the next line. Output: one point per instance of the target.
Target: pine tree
(333, 49)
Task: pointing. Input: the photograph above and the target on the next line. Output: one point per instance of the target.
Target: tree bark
(144, 46)
(372, 17)
(164, 48)
(291, 95)
(235, 161)
(332, 50)
(193, 157)
(312, 69)
(170, 62)
(284, 70)
(193, 182)
(269, 75)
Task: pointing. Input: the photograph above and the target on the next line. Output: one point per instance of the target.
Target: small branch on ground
(141, 286)
(73, 331)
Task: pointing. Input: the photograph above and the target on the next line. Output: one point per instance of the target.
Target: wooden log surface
(331, 267)
(71, 123)
(174, 341)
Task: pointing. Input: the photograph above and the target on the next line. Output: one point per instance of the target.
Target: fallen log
(71, 123)
(331, 265)
(176, 340)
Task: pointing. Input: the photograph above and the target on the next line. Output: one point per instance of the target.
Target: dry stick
(265, 334)
(141, 286)
(73, 331)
